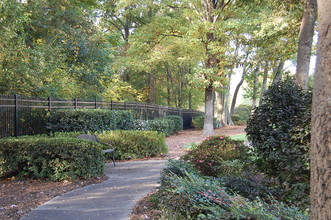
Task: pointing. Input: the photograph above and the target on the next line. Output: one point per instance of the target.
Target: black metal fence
(20, 115)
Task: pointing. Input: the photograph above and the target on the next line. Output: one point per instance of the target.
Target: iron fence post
(16, 116)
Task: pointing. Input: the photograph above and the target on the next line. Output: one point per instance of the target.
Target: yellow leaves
(40, 41)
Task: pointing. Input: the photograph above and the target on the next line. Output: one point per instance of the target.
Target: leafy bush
(178, 120)
(250, 185)
(280, 131)
(135, 144)
(163, 125)
(191, 196)
(243, 111)
(211, 155)
(50, 158)
(198, 122)
(92, 120)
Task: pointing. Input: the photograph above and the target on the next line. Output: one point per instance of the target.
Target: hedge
(92, 120)
(162, 125)
(50, 158)
(178, 120)
(135, 144)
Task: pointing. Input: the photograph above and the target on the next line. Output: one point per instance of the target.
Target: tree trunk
(255, 87)
(321, 120)
(278, 72)
(208, 127)
(220, 120)
(305, 43)
(234, 99)
(169, 83)
(265, 80)
(151, 88)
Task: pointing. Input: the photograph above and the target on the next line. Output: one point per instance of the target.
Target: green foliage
(243, 111)
(163, 125)
(50, 158)
(217, 156)
(135, 144)
(280, 132)
(178, 120)
(198, 122)
(184, 194)
(91, 120)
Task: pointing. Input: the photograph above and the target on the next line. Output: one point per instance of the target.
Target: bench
(94, 138)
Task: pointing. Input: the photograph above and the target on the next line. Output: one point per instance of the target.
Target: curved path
(113, 199)
(127, 183)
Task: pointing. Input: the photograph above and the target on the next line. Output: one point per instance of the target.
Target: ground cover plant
(217, 179)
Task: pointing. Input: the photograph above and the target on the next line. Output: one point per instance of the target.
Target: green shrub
(135, 144)
(236, 118)
(198, 122)
(50, 158)
(280, 132)
(191, 196)
(163, 125)
(243, 111)
(211, 155)
(178, 120)
(92, 120)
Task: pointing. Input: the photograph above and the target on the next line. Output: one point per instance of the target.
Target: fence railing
(21, 115)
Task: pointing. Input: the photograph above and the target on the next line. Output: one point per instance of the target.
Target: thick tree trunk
(208, 127)
(305, 43)
(321, 120)
(235, 95)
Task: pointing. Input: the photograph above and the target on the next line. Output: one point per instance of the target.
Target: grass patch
(239, 137)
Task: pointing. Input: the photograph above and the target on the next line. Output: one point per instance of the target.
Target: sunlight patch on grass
(239, 137)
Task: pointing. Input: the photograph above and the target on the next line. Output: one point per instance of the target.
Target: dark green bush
(135, 144)
(198, 122)
(178, 120)
(236, 118)
(214, 155)
(50, 158)
(93, 120)
(280, 131)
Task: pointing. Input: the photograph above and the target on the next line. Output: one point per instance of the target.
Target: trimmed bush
(217, 156)
(163, 125)
(243, 111)
(50, 158)
(178, 120)
(135, 144)
(198, 122)
(280, 132)
(92, 120)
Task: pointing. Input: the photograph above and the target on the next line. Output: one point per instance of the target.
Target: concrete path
(113, 199)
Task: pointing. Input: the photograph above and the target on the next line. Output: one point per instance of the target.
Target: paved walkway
(113, 199)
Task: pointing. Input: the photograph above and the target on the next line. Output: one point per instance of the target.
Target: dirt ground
(17, 198)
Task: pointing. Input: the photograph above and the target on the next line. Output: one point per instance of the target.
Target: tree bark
(305, 43)
(255, 87)
(265, 80)
(208, 126)
(321, 120)
(235, 95)
(152, 94)
(221, 122)
(278, 72)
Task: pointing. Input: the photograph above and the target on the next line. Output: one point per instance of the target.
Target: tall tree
(321, 119)
(305, 43)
